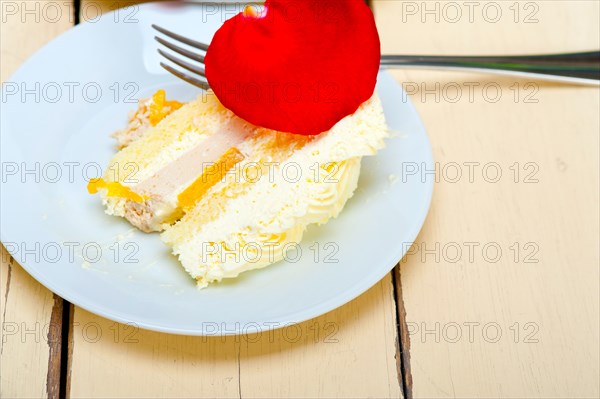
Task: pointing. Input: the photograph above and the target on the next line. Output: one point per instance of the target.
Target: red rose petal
(299, 67)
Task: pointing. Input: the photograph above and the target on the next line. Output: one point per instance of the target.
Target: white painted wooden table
(499, 296)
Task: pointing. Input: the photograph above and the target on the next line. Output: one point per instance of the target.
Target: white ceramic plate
(58, 111)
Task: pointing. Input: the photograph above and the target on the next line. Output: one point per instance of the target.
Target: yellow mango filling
(114, 189)
(160, 107)
(211, 175)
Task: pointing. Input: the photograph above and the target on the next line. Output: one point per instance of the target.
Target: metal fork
(579, 68)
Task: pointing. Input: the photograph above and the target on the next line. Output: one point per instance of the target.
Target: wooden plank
(542, 293)
(91, 10)
(27, 322)
(330, 357)
(27, 27)
(325, 357)
(31, 316)
(347, 353)
(146, 364)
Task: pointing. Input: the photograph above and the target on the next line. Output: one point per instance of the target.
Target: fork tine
(200, 71)
(179, 50)
(198, 83)
(180, 38)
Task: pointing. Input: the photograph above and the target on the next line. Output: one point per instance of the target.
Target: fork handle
(575, 67)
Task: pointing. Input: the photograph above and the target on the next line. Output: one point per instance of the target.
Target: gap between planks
(403, 350)
(61, 346)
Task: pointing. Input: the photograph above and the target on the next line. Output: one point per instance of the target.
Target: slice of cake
(262, 206)
(233, 196)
